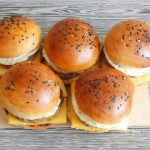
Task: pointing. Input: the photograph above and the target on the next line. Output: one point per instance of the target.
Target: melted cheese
(38, 56)
(142, 79)
(78, 124)
(3, 69)
(59, 118)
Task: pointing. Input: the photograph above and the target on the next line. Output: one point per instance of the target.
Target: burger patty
(37, 120)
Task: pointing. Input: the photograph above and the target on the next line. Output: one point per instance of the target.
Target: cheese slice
(59, 118)
(142, 79)
(2, 69)
(62, 87)
(38, 56)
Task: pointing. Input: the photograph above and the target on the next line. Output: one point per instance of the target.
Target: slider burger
(33, 96)
(127, 47)
(71, 47)
(20, 38)
(101, 100)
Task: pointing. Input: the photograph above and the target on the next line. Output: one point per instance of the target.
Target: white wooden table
(102, 15)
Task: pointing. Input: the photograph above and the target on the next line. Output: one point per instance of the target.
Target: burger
(101, 100)
(33, 96)
(71, 47)
(20, 38)
(127, 47)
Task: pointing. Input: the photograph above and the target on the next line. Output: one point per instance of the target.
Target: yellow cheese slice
(142, 79)
(62, 87)
(2, 70)
(38, 56)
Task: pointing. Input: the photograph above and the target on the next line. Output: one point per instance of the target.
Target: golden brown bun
(29, 90)
(128, 43)
(72, 45)
(18, 35)
(104, 95)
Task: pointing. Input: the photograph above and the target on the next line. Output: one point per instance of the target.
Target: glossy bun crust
(18, 35)
(104, 95)
(128, 43)
(29, 90)
(72, 45)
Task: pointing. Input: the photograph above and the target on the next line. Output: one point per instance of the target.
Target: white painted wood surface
(102, 15)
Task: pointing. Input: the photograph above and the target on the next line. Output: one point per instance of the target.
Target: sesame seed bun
(30, 91)
(72, 46)
(18, 36)
(102, 98)
(127, 47)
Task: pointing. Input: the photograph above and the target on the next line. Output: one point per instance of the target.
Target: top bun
(30, 91)
(72, 45)
(128, 44)
(18, 35)
(105, 96)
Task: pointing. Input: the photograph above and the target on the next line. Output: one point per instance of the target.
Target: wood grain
(102, 15)
(73, 140)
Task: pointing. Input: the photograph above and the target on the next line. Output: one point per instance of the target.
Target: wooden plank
(67, 139)
(101, 14)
